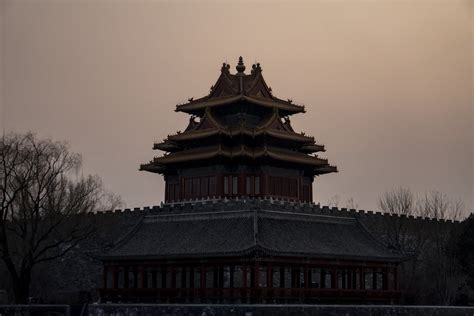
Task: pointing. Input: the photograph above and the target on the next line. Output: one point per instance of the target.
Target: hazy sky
(387, 84)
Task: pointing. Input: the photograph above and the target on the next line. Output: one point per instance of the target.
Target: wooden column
(231, 276)
(306, 278)
(310, 277)
(215, 276)
(396, 279)
(115, 277)
(181, 188)
(191, 277)
(164, 272)
(141, 273)
(135, 277)
(333, 278)
(282, 277)
(184, 276)
(106, 270)
(266, 185)
(362, 278)
(154, 277)
(172, 270)
(203, 277)
(125, 277)
(244, 276)
(256, 274)
(269, 275)
(322, 278)
(384, 279)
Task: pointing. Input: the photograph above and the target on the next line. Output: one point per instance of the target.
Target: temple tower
(245, 247)
(239, 142)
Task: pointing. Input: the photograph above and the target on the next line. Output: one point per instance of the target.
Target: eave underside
(198, 107)
(236, 132)
(238, 154)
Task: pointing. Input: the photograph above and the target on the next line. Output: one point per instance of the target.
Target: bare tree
(438, 205)
(400, 234)
(400, 202)
(335, 201)
(432, 275)
(443, 271)
(464, 250)
(42, 199)
(351, 204)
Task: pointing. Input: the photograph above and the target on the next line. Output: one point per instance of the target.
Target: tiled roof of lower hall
(242, 232)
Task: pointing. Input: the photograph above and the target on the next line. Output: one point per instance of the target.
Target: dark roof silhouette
(244, 122)
(240, 232)
(230, 88)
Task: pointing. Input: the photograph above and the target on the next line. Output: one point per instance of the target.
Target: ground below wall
(276, 310)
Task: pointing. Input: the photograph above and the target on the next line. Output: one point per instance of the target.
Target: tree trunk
(21, 288)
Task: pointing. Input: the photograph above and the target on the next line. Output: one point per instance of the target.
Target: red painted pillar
(125, 277)
(333, 278)
(244, 275)
(384, 279)
(203, 277)
(349, 278)
(269, 275)
(396, 279)
(306, 278)
(141, 273)
(256, 276)
(106, 270)
(115, 277)
(173, 276)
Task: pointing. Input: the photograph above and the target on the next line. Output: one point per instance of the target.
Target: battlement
(215, 204)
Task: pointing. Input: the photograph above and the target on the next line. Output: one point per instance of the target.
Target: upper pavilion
(239, 142)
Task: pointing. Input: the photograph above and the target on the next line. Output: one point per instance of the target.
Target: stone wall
(277, 310)
(77, 276)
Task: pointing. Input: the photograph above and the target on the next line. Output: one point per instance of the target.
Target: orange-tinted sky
(387, 84)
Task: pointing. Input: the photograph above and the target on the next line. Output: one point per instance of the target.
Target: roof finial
(240, 66)
(225, 67)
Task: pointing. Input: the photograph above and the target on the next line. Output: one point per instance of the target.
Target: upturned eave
(241, 152)
(197, 107)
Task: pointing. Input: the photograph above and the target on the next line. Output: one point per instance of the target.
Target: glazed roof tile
(240, 232)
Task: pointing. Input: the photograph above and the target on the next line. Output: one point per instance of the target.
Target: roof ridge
(122, 240)
(378, 242)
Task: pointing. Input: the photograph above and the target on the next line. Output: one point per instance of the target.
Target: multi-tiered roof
(238, 153)
(240, 121)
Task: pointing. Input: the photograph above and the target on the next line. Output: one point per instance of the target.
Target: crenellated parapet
(218, 204)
